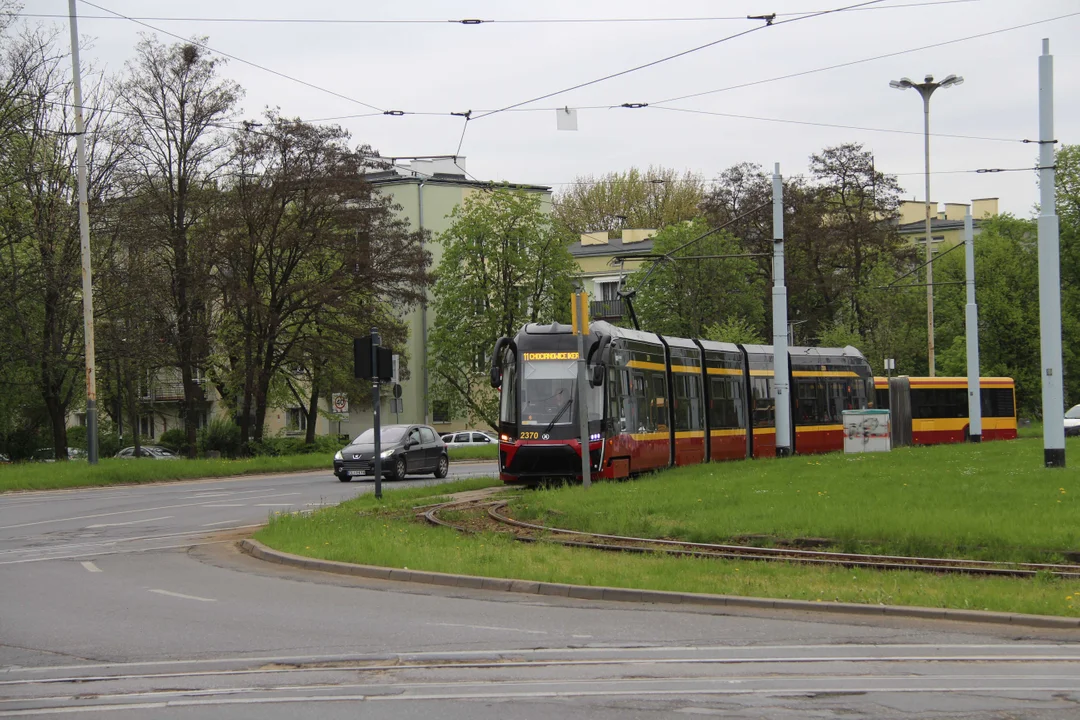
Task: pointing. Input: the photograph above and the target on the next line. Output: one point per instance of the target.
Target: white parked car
(469, 438)
(1072, 421)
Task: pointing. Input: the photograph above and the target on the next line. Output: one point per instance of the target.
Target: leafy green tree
(734, 330)
(654, 198)
(503, 265)
(1007, 291)
(687, 294)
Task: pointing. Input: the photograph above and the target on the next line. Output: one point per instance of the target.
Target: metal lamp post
(926, 89)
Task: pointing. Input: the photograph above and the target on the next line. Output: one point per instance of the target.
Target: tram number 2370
(529, 435)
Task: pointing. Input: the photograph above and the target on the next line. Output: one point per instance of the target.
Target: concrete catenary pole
(780, 323)
(84, 233)
(971, 323)
(930, 350)
(1049, 273)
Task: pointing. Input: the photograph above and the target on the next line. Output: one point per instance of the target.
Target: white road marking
(181, 595)
(224, 505)
(223, 522)
(274, 504)
(90, 566)
(132, 522)
(124, 512)
(490, 627)
(106, 543)
(581, 637)
(208, 495)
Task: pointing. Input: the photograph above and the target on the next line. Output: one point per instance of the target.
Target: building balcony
(170, 391)
(606, 309)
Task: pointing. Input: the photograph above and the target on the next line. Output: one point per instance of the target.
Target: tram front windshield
(548, 392)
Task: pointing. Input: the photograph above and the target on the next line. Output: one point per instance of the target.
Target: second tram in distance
(655, 401)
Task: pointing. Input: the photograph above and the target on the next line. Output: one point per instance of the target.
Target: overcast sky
(443, 67)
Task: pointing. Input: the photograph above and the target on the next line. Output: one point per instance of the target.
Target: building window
(608, 290)
(440, 412)
(80, 419)
(146, 426)
(295, 420)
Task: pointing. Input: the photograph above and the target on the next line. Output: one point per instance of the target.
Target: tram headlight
(504, 437)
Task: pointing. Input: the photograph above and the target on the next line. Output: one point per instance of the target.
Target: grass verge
(368, 532)
(481, 452)
(992, 501)
(49, 476)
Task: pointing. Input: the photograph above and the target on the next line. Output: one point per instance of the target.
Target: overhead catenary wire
(833, 125)
(465, 21)
(236, 58)
(883, 56)
(684, 53)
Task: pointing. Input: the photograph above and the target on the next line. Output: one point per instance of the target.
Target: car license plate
(354, 473)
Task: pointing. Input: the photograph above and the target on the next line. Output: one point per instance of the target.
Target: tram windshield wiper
(558, 415)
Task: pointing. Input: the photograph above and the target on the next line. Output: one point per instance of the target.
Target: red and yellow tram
(655, 401)
(939, 408)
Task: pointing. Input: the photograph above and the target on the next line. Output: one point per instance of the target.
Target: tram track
(494, 512)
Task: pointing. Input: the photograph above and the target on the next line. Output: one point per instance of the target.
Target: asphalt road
(130, 602)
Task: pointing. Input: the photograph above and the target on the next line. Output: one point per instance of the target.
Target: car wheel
(399, 468)
(443, 468)
(344, 478)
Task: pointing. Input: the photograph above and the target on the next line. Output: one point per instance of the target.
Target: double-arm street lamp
(926, 89)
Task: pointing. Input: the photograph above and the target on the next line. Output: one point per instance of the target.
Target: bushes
(276, 446)
(222, 436)
(175, 440)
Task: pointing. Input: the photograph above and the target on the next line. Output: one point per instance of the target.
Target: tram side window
(508, 401)
(927, 403)
(997, 402)
(763, 402)
(658, 401)
(640, 400)
(839, 399)
(618, 421)
(687, 402)
(809, 399)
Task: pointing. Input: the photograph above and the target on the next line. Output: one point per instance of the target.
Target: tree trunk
(313, 408)
(133, 407)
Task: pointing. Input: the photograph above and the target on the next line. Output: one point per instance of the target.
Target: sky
(442, 67)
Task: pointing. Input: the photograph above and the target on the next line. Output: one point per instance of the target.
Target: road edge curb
(259, 551)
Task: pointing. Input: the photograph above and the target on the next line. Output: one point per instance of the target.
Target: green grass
(369, 532)
(47, 476)
(991, 500)
(480, 452)
(1032, 430)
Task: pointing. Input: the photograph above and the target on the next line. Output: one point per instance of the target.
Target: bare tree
(176, 103)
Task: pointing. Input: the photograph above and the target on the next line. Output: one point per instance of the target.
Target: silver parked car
(469, 438)
(1072, 422)
(154, 452)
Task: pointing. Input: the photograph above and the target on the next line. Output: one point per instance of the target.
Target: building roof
(935, 225)
(613, 246)
(395, 177)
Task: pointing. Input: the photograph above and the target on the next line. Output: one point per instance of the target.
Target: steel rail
(745, 552)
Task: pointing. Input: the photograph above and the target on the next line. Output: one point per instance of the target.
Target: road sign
(340, 404)
(397, 405)
(395, 376)
(397, 390)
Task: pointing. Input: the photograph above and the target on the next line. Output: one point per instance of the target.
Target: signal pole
(84, 234)
(780, 323)
(1049, 273)
(580, 323)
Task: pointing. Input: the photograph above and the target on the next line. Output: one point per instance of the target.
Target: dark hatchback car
(405, 450)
